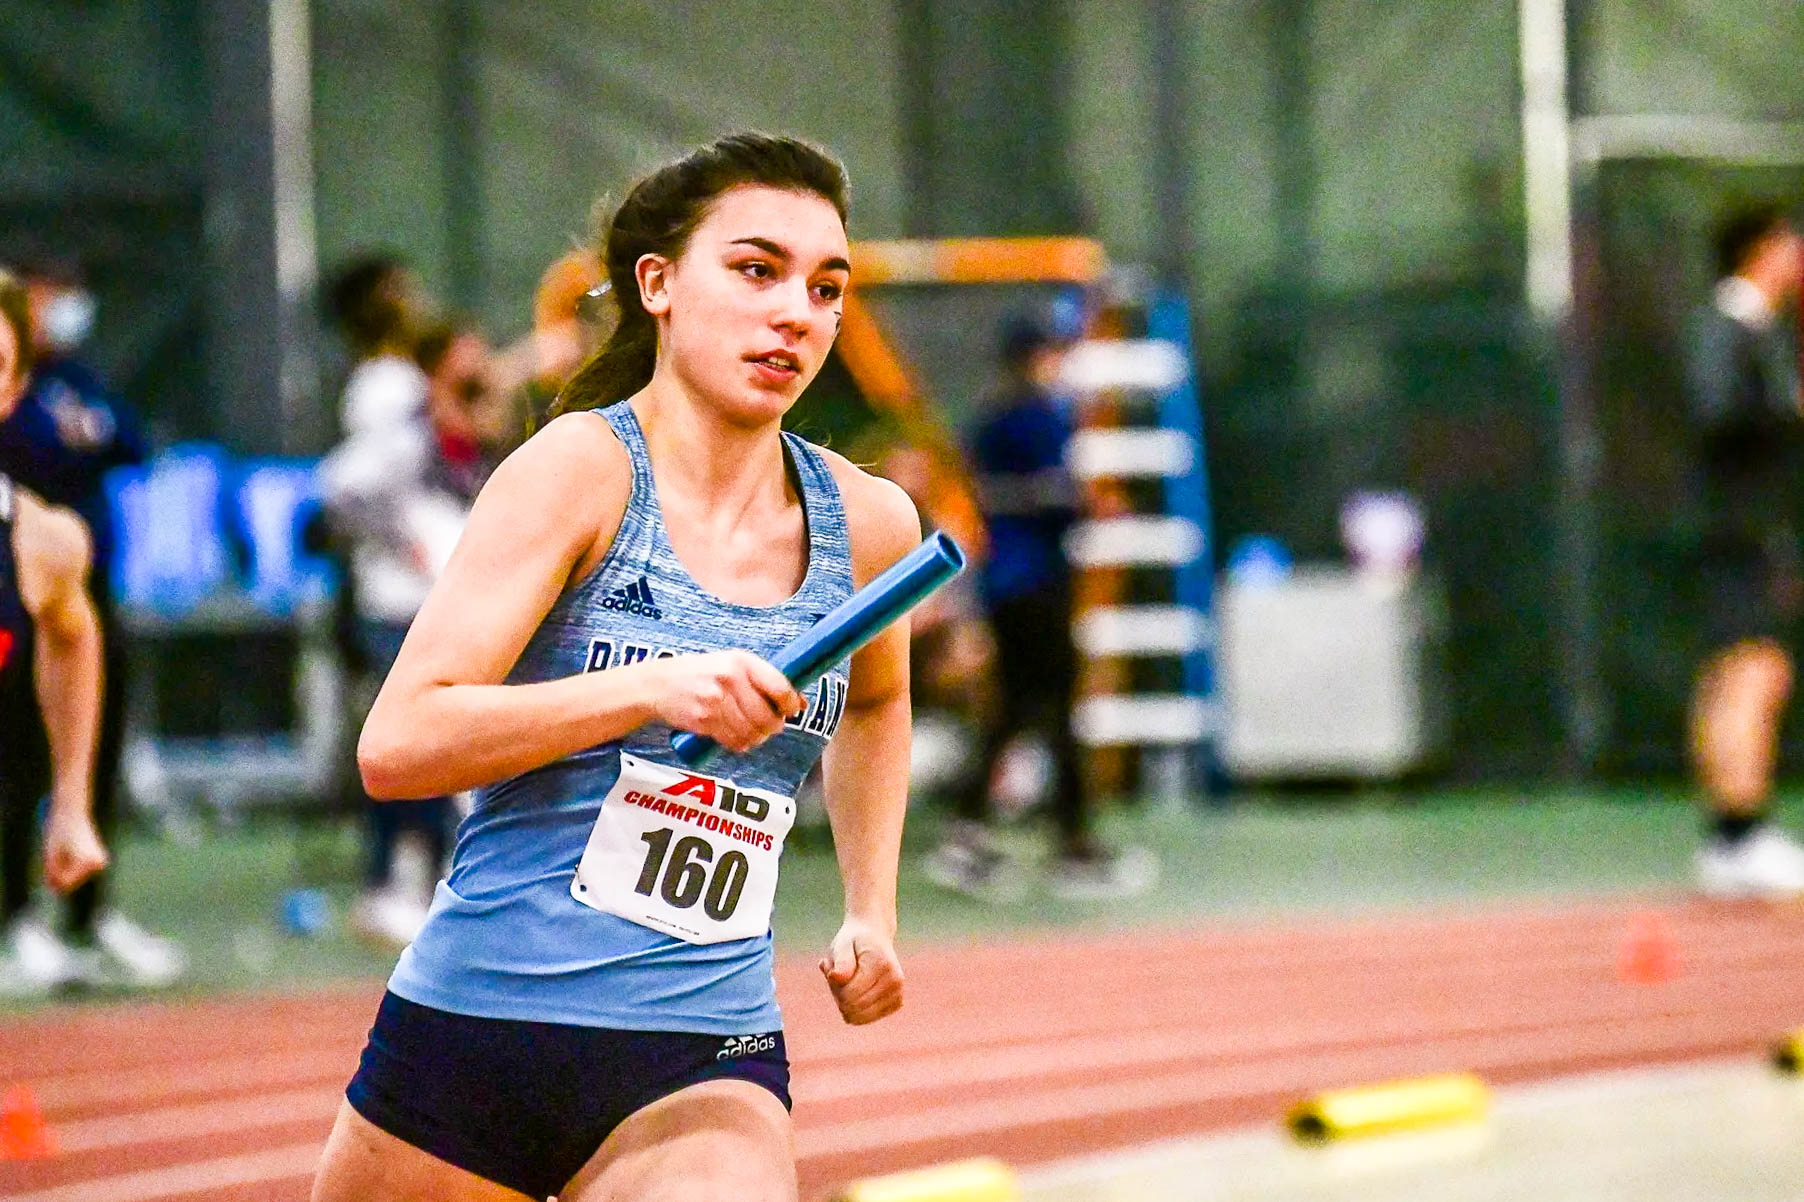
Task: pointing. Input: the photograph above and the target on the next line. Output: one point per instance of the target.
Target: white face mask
(68, 319)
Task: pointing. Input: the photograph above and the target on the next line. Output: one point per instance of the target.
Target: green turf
(220, 891)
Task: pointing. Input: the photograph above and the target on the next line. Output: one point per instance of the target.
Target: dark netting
(1435, 389)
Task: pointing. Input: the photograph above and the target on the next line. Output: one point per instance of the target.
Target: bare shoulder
(574, 446)
(880, 518)
(52, 543)
(573, 471)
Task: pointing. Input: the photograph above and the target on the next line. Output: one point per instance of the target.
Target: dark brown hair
(658, 217)
(15, 310)
(359, 303)
(433, 343)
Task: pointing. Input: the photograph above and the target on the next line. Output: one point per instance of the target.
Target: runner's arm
(444, 721)
(866, 769)
(54, 552)
(866, 764)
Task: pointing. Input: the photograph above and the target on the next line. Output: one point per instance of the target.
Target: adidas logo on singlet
(634, 599)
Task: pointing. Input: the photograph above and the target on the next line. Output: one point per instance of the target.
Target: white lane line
(1197, 1085)
(295, 1161)
(199, 1119)
(166, 1082)
(1206, 1038)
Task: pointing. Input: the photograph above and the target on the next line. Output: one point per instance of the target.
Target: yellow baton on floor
(982, 1179)
(1393, 1106)
(1788, 1053)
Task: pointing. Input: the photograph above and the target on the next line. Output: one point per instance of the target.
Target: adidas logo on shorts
(634, 599)
(745, 1045)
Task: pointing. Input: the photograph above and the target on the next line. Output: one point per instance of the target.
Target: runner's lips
(782, 360)
(778, 370)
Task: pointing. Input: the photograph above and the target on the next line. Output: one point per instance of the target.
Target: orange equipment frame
(884, 377)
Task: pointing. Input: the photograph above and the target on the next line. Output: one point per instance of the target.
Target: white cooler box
(1328, 674)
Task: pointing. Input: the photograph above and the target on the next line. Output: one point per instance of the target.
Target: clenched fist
(73, 851)
(732, 697)
(863, 972)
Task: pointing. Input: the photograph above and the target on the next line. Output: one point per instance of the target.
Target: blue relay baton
(853, 623)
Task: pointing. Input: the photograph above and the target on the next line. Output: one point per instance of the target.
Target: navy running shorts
(526, 1104)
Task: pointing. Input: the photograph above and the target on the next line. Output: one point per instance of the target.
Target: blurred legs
(1740, 698)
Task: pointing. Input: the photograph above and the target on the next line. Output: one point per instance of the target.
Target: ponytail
(620, 368)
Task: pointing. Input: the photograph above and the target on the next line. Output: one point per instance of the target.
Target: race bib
(690, 855)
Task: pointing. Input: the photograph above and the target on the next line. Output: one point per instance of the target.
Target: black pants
(25, 780)
(1036, 668)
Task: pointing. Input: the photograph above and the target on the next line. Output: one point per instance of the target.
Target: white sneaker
(968, 861)
(388, 917)
(1104, 875)
(37, 962)
(1766, 863)
(135, 956)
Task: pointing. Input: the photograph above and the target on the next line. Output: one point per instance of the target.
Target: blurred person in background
(1030, 501)
(63, 436)
(1745, 404)
(401, 493)
(50, 651)
(377, 307)
(951, 655)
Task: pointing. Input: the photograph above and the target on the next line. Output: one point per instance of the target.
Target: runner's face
(459, 389)
(750, 310)
(12, 380)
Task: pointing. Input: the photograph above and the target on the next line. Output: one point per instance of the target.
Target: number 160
(684, 869)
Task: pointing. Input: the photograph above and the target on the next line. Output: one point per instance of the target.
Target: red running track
(1030, 1050)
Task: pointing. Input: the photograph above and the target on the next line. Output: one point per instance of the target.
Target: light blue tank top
(505, 938)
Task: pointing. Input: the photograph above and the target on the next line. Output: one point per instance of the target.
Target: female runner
(590, 1009)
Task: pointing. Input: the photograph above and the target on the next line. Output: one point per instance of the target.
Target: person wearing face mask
(49, 649)
(66, 433)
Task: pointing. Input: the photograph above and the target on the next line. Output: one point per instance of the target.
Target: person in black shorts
(1748, 419)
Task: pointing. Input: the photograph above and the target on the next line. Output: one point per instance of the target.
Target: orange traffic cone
(1650, 955)
(24, 1135)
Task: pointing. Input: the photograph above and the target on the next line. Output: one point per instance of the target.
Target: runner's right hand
(732, 697)
(73, 851)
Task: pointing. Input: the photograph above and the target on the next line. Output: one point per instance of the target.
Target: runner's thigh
(718, 1141)
(364, 1163)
